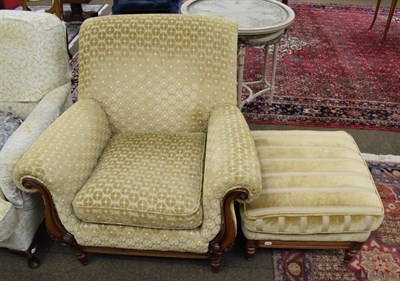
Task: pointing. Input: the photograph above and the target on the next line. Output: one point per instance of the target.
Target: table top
(254, 17)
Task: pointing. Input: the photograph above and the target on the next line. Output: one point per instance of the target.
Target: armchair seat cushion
(146, 180)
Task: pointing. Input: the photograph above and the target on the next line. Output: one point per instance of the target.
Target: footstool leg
(352, 251)
(251, 247)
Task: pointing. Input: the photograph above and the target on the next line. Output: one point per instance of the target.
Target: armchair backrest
(158, 73)
(33, 58)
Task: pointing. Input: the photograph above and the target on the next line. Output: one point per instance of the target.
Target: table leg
(241, 55)
(389, 20)
(265, 68)
(77, 13)
(378, 4)
(274, 63)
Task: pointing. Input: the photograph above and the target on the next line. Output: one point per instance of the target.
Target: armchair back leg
(33, 260)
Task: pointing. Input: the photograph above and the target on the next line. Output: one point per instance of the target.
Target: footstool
(317, 194)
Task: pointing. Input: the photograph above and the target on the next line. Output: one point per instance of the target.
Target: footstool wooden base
(351, 247)
(317, 194)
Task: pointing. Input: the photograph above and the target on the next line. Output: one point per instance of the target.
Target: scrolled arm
(231, 155)
(231, 164)
(64, 156)
(45, 112)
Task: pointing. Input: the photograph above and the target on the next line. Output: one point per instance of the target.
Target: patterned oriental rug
(379, 258)
(332, 71)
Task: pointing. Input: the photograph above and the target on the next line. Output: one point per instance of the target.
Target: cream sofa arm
(64, 156)
(231, 163)
(44, 113)
(8, 218)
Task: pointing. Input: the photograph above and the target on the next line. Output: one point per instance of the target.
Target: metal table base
(269, 84)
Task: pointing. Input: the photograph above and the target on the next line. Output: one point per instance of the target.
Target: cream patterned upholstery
(316, 187)
(35, 84)
(157, 138)
(23, 39)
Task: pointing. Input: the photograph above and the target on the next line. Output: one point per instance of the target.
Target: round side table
(260, 22)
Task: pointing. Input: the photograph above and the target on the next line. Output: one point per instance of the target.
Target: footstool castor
(317, 194)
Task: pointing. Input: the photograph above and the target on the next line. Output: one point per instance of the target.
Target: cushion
(313, 183)
(9, 122)
(146, 180)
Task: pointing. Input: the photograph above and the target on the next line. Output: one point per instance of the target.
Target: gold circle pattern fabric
(158, 73)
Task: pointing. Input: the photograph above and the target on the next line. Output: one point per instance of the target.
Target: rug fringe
(382, 158)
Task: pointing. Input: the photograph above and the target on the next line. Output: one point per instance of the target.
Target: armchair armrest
(44, 113)
(231, 155)
(64, 156)
(231, 163)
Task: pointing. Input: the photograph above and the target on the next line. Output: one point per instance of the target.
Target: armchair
(35, 87)
(159, 152)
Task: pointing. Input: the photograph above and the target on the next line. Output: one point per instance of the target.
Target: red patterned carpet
(333, 72)
(379, 259)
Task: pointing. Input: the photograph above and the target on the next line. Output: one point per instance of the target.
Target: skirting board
(383, 158)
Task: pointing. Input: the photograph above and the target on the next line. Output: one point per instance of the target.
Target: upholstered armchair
(34, 90)
(151, 158)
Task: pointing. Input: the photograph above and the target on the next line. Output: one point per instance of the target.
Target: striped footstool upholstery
(317, 193)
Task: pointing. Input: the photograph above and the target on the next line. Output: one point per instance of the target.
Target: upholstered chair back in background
(150, 64)
(35, 84)
(32, 38)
